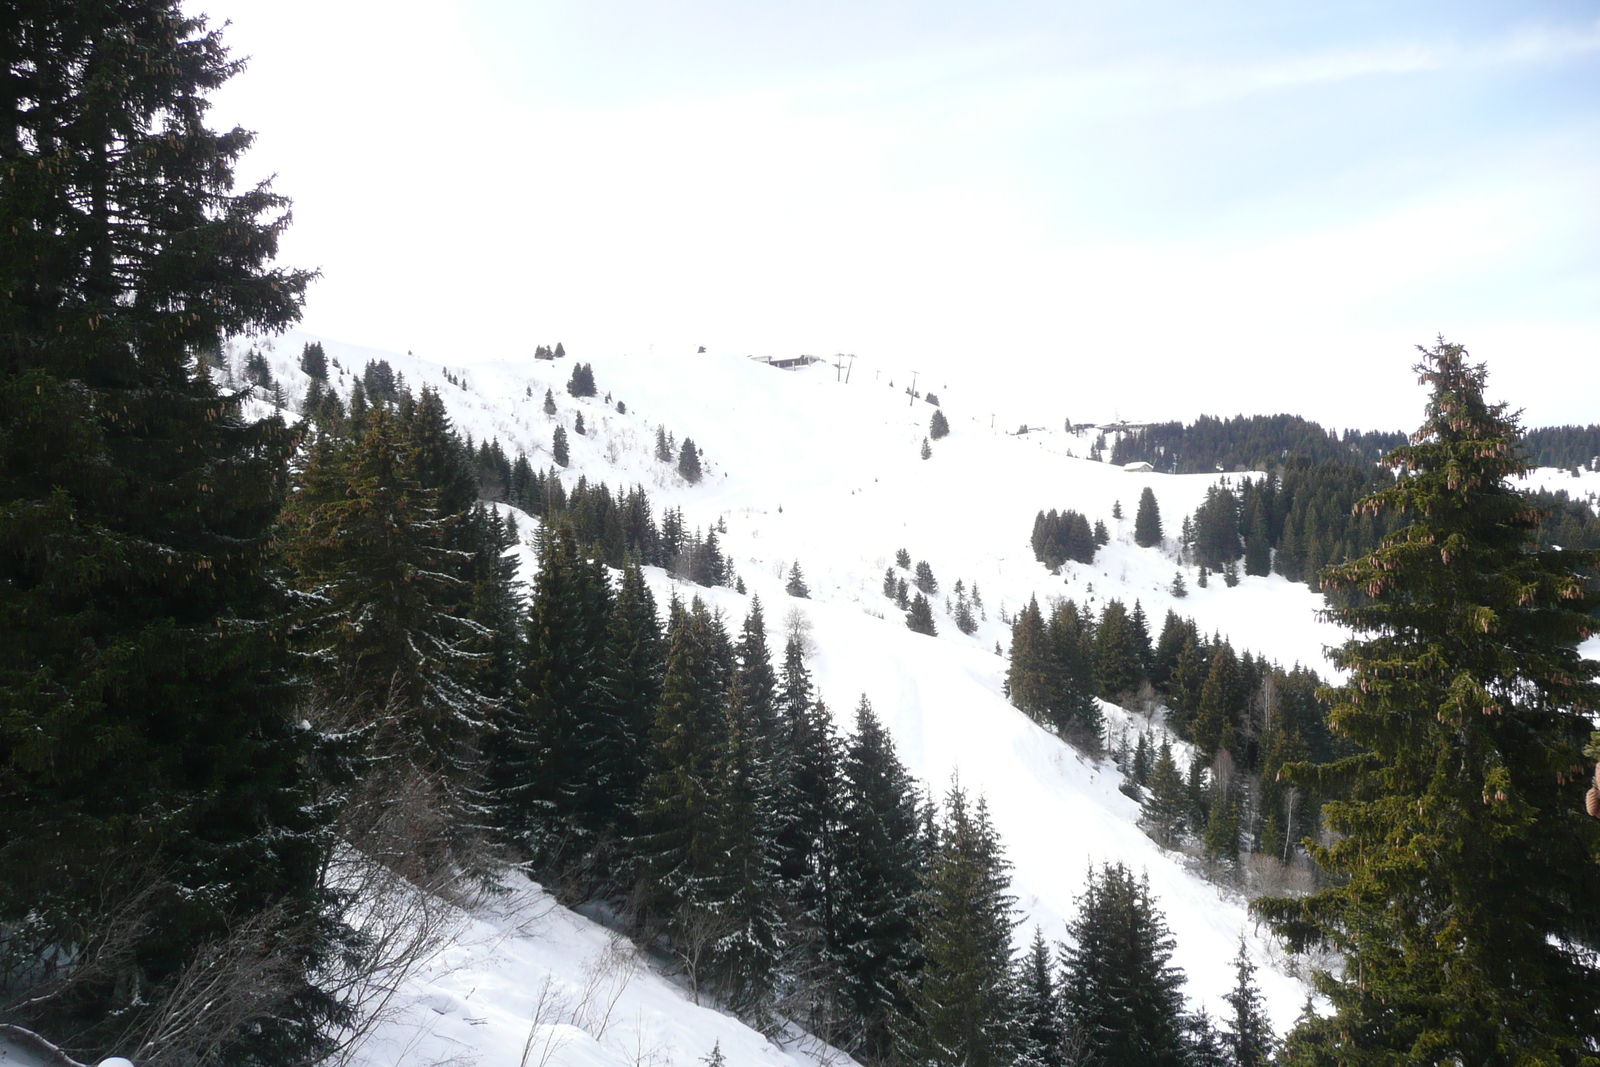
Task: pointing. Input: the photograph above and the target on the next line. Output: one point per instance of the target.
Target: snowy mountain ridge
(802, 468)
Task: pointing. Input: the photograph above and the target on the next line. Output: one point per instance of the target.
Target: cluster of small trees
(582, 382)
(1058, 537)
(917, 606)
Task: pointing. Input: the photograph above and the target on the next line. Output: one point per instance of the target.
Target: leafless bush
(241, 977)
(396, 866)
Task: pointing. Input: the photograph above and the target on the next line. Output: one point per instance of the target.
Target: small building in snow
(1138, 467)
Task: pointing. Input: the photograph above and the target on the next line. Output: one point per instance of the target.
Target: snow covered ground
(802, 467)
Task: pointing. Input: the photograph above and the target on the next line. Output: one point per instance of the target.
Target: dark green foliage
(742, 901)
(1051, 675)
(256, 370)
(1117, 667)
(577, 424)
(962, 1006)
(890, 583)
(1254, 442)
(874, 947)
(558, 447)
(1216, 719)
(1166, 811)
(796, 586)
(1102, 536)
(582, 382)
(924, 578)
(147, 717)
(1147, 521)
(383, 386)
(808, 757)
(1467, 896)
(561, 780)
(1179, 589)
(1248, 1037)
(314, 361)
(1216, 528)
(1040, 1036)
(902, 559)
(1563, 446)
(663, 446)
(689, 462)
(938, 426)
(1118, 987)
(919, 619)
(549, 402)
(927, 450)
(387, 632)
(1058, 538)
(1566, 523)
(678, 847)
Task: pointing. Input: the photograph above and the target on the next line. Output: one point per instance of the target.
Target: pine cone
(1592, 801)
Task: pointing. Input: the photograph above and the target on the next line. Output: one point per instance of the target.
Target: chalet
(1138, 467)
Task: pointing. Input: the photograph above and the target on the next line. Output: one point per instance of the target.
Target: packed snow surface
(802, 467)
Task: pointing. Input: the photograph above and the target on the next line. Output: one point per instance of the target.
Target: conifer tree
(925, 580)
(1147, 521)
(1215, 721)
(387, 647)
(874, 946)
(549, 402)
(927, 449)
(796, 586)
(962, 1007)
(632, 678)
(577, 424)
(314, 361)
(902, 559)
(1119, 988)
(920, 618)
(744, 894)
(663, 449)
(1166, 810)
(1030, 681)
(557, 783)
(938, 426)
(1468, 895)
(1040, 1036)
(147, 706)
(1248, 1036)
(689, 462)
(677, 849)
(809, 798)
(558, 447)
(890, 583)
(1116, 656)
(902, 595)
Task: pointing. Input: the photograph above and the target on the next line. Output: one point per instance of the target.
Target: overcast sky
(1144, 209)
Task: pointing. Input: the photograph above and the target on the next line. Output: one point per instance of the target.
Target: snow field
(803, 468)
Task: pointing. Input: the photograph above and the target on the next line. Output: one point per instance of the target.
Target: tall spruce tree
(1147, 521)
(678, 836)
(391, 650)
(1040, 1036)
(147, 710)
(962, 1006)
(1468, 900)
(566, 759)
(874, 947)
(1119, 988)
(1248, 1034)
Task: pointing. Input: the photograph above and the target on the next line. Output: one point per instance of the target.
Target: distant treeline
(1564, 446)
(1247, 442)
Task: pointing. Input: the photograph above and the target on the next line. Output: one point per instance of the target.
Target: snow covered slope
(802, 467)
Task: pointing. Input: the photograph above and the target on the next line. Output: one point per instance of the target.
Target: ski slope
(802, 467)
